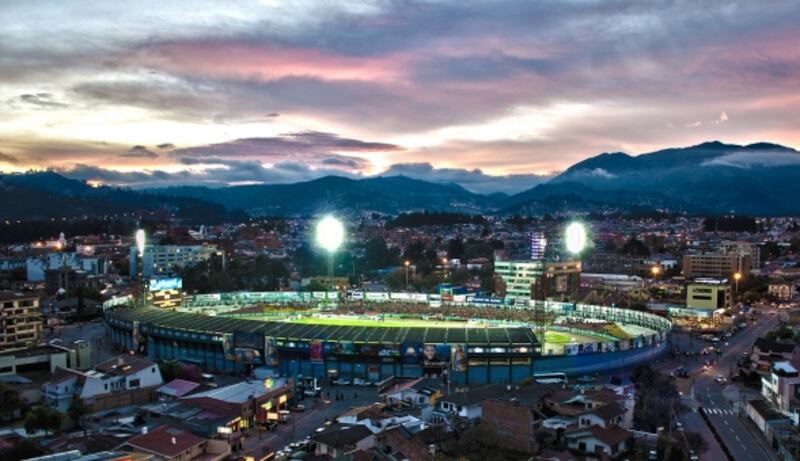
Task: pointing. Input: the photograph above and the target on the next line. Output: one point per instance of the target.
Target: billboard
(458, 360)
(410, 352)
(248, 340)
(344, 348)
(388, 351)
(270, 351)
(166, 283)
(368, 350)
(315, 351)
(436, 354)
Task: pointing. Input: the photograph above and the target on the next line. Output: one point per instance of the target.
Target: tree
(77, 411)
(10, 402)
(23, 449)
(455, 248)
(45, 419)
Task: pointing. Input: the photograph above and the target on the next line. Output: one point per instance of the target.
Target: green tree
(43, 418)
(77, 411)
(10, 402)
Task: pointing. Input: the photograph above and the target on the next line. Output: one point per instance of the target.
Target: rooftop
(166, 441)
(239, 392)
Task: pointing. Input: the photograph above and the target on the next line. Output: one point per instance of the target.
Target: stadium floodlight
(575, 237)
(140, 241)
(330, 233)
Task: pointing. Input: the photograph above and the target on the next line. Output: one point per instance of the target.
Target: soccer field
(557, 337)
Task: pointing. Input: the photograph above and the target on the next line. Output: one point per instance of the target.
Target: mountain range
(709, 178)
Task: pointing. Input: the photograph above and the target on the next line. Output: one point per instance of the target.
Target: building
(515, 415)
(413, 392)
(37, 267)
(20, 320)
(766, 418)
(708, 296)
(517, 278)
(766, 352)
(560, 281)
(124, 380)
(780, 388)
(596, 440)
(166, 259)
(784, 291)
(752, 250)
(716, 265)
(616, 263)
(169, 443)
(339, 440)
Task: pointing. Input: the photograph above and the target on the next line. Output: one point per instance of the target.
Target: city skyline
(280, 92)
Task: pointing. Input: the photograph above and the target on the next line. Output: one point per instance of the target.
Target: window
(133, 383)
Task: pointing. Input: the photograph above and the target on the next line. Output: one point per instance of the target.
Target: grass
(550, 337)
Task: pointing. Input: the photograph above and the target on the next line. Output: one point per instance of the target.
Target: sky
(495, 96)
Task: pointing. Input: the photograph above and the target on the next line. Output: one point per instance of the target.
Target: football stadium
(372, 336)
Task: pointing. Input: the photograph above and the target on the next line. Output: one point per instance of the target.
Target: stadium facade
(464, 355)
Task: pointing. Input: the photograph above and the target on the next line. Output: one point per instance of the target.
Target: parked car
(721, 379)
(298, 408)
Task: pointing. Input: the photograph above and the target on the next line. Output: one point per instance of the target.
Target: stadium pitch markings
(388, 323)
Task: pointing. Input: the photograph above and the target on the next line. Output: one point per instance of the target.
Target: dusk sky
(154, 93)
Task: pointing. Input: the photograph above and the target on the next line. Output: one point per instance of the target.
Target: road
(721, 403)
(305, 423)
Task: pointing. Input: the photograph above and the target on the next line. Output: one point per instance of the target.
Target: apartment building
(716, 265)
(166, 259)
(20, 320)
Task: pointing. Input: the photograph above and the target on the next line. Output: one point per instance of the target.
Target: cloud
(749, 159)
(9, 159)
(474, 180)
(38, 100)
(723, 117)
(139, 152)
(166, 146)
(694, 124)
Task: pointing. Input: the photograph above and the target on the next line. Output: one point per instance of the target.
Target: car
(586, 379)
(343, 382)
(715, 339)
(679, 425)
(358, 382)
(298, 408)
(319, 429)
(652, 456)
(721, 379)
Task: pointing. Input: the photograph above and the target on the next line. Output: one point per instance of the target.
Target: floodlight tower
(575, 237)
(141, 240)
(330, 235)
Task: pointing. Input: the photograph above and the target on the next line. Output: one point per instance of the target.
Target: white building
(519, 276)
(36, 266)
(166, 259)
(113, 377)
(780, 388)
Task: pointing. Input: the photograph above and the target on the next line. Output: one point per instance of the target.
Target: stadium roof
(184, 321)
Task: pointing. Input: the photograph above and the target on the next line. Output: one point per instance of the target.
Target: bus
(550, 378)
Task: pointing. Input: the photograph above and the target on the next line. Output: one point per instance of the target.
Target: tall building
(516, 278)
(753, 250)
(538, 279)
(166, 259)
(716, 265)
(538, 245)
(20, 320)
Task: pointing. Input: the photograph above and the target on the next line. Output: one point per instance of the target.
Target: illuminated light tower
(407, 264)
(655, 270)
(736, 277)
(330, 235)
(140, 244)
(575, 237)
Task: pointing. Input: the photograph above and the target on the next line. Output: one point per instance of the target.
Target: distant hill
(393, 194)
(48, 195)
(712, 177)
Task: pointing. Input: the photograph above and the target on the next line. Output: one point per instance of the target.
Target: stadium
(371, 336)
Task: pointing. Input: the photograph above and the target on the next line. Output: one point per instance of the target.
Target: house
(376, 419)
(601, 407)
(767, 418)
(767, 351)
(469, 404)
(515, 416)
(780, 388)
(411, 392)
(176, 389)
(399, 443)
(611, 441)
(168, 443)
(339, 440)
(249, 402)
(124, 380)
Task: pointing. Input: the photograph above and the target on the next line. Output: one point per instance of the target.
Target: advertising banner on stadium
(368, 350)
(419, 297)
(315, 351)
(227, 345)
(165, 283)
(436, 354)
(248, 340)
(247, 355)
(485, 300)
(388, 351)
(410, 352)
(344, 348)
(136, 336)
(270, 351)
(458, 360)
(369, 296)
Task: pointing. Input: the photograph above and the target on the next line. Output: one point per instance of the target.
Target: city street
(721, 404)
(305, 423)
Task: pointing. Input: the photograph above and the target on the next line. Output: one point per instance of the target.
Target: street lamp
(655, 270)
(330, 235)
(141, 240)
(407, 264)
(736, 277)
(575, 237)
